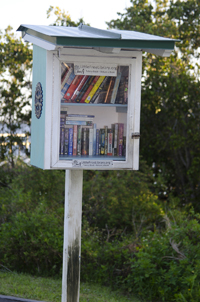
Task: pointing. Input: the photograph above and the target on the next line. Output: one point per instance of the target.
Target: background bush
(130, 238)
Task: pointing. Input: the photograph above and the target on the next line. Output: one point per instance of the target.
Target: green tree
(15, 66)
(62, 18)
(170, 115)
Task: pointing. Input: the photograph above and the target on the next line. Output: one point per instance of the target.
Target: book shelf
(94, 104)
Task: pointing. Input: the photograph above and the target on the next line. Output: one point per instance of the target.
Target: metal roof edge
(102, 32)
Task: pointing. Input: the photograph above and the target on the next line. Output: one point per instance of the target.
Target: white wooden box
(45, 134)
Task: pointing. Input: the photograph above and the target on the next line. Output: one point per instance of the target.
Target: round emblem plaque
(38, 100)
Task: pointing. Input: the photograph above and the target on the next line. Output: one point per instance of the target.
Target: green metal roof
(86, 36)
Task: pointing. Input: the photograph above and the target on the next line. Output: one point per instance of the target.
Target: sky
(94, 12)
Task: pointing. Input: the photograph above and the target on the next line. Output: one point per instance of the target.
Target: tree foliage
(170, 115)
(15, 66)
(62, 18)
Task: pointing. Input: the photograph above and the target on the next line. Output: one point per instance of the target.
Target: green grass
(48, 289)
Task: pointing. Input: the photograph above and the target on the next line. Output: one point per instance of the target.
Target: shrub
(167, 267)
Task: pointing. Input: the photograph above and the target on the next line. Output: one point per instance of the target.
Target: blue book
(81, 123)
(67, 84)
(70, 152)
(97, 142)
(95, 139)
(80, 115)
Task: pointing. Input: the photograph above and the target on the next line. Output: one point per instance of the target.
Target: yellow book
(94, 89)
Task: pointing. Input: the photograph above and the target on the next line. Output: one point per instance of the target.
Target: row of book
(92, 89)
(79, 136)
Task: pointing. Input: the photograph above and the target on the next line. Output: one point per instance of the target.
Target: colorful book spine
(80, 115)
(84, 141)
(78, 89)
(110, 142)
(120, 139)
(84, 89)
(99, 89)
(115, 144)
(62, 140)
(70, 150)
(72, 87)
(125, 91)
(124, 146)
(120, 93)
(106, 140)
(64, 70)
(75, 140)
(82, 123)
(62, 130)
(115, 88)
(65, 77)
(102, 141)
(97, 142)
(94, 138)
(68, 83)
(66, 150)
(91, 137)
(109, 91)
(79, 132)
(91, 85)
(94, 89)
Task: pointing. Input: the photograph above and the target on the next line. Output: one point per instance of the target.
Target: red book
(89, 89)
(75, 140)
(72, 87)
(79, 87)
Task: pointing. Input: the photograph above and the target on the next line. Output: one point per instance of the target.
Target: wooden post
(72, 236)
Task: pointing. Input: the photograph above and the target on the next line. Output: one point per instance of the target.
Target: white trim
(39, 42)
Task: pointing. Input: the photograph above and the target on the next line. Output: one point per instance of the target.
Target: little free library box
(87, 94)
(86, 113)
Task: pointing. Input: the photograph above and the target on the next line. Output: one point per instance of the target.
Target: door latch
(135, 135)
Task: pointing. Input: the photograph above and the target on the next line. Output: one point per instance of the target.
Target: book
(77, 117)
(124, 146)
(75, 140)
(115, 88)
(84, 150)
(64, 70)
(66, 148)
(115, 139)
(109, 91)
(91, 85)
(65, 77)
(79, 133)
(82, 123)
(62, 126)
(91, 138)
(97, 142)
(84, 89)
(80, 115)
(78, 89)
(62, 139)
(110, 142)
(94, 89)
(94, 138)
(67, 84)
(120, 138)
(70, 149)
(125, 91)
(99, 89)
(120, 93)
(106, 140)
(72, 87)
(102, 141)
